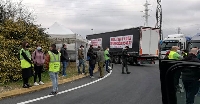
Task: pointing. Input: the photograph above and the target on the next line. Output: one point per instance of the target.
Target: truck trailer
(194, 42)
(143, 44)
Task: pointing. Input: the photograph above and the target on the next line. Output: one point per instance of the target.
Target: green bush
(12, 34)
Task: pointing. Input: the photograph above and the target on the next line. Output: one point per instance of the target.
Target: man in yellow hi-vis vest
(52, 62)
(26, 64)
(173, 53)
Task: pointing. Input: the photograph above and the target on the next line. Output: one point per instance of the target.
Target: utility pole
(92, 31)
(179, 30)
(146, 13)
(159, 21)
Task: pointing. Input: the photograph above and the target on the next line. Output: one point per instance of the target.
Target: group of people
(190, 77)
(101, 57)
(29, 61)
(38, 60)
(52, 62)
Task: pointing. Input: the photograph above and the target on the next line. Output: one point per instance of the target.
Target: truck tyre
(116, 59)
(121, 61)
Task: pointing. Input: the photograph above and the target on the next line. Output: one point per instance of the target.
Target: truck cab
(179, 40)
(194, 42)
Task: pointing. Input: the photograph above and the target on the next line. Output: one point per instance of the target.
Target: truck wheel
(116, 60)
(120, 60)
(111, 59)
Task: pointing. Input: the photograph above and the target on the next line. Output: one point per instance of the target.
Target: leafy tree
(14, 29)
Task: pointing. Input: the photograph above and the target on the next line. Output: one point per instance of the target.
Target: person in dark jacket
(190, 77)
(64, 59)
(92, 60)
(81, 60)
(125, 55)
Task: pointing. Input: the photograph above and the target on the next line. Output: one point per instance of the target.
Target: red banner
(96, 42)
(121, 41)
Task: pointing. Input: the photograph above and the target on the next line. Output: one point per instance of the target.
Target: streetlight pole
(92, 31)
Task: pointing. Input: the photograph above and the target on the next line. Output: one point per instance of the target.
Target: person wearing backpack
(38, 60)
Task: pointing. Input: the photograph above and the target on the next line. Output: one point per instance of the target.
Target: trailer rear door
(149, 41)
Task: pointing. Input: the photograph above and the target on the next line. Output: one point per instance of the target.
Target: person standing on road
(92, 60)
(100, 60)
(175, 56)
(190, 77)
(38, 58)
(81, 60)
(26, 64)
(125, 55)
(52, 62)
(107, 59)
(64, 59)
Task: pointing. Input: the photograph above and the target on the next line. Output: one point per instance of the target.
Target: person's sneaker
(25, 86)
(123, 73)
(28, 85)
(108, 70)
(53, 93)
(91, 76)
(128, 73)
(101, 76)
(36, 84)
(41, 83)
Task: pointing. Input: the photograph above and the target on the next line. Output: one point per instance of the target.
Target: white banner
(121, 41)
(96, 42)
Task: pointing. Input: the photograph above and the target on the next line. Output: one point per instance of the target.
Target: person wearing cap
(125, 55)
(81, 60)
(64, 59)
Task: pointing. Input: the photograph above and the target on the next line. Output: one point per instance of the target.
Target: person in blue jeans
(107, 59)
(64, 59)
(52, 63)
(81, 60)
(92, 60)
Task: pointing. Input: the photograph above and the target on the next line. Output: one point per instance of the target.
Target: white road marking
(65, 91)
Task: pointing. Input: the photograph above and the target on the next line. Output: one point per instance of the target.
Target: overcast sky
(108, 15)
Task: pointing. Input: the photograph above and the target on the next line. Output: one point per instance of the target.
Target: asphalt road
(142, 86)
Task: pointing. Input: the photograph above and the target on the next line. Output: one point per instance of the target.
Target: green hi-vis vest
(24, 63)
(171, 55)
(54, 64)
(105, 55)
